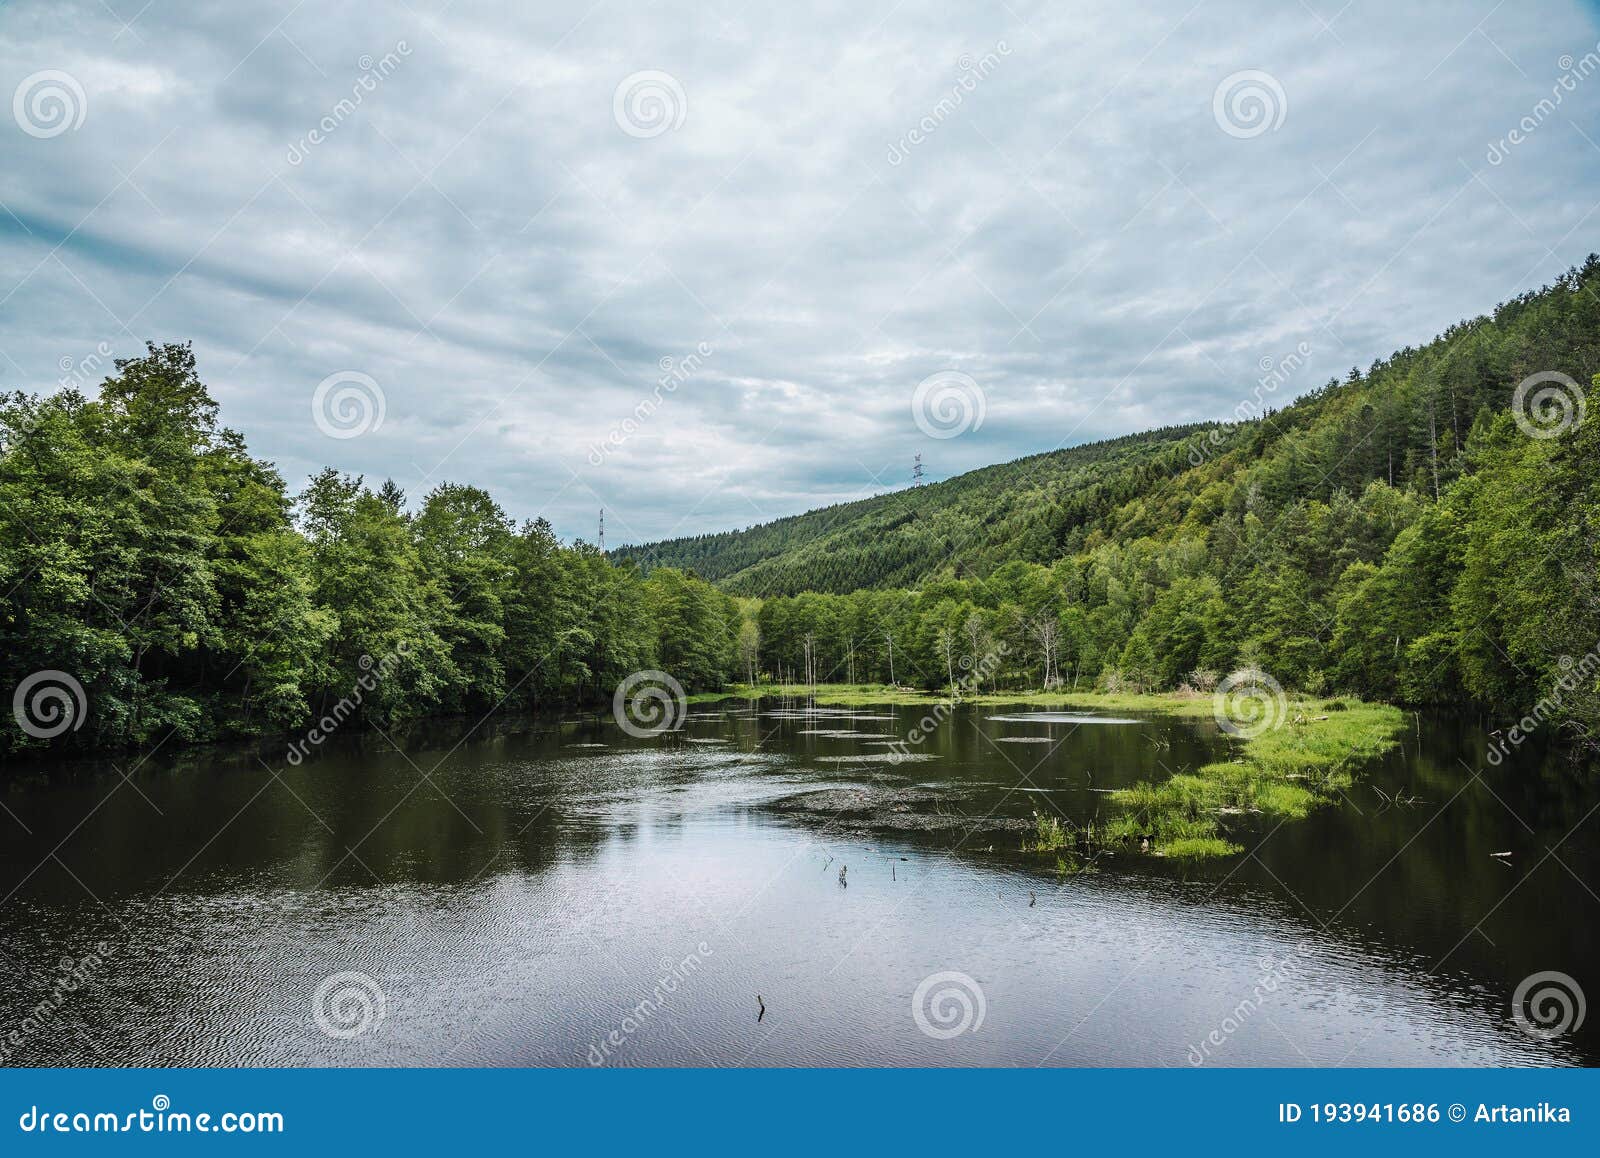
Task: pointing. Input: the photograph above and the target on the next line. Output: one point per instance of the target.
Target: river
(768, 886)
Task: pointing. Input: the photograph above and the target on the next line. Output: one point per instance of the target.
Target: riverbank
(1302, 753)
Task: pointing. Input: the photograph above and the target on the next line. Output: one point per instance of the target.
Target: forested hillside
(966, 524)
(1400, 534)
(1403, 421)
(1420, 532)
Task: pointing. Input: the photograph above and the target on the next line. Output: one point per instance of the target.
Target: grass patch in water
(1201, 847)
(1286, 772)
(1070, 864)
(1051, 834)
(827, 695)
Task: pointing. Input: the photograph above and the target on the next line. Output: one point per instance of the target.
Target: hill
(969, 523)
(1426, 530)
(1403, 422)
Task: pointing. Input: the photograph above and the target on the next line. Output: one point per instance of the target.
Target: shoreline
(1303, 755)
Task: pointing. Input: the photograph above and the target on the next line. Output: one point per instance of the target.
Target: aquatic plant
(1050, 834)
(1285, 772)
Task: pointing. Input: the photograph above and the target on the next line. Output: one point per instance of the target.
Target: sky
(708, 264)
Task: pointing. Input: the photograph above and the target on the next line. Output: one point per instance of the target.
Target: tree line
(1425, 531)
(147, 556)
(1422, 532)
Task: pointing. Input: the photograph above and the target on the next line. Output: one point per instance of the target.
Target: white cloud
(481, 237)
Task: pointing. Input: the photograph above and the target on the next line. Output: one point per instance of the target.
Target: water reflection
(531, 896)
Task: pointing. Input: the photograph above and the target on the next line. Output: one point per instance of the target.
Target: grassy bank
(1285, 772)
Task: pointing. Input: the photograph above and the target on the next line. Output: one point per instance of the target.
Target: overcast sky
(498, 219)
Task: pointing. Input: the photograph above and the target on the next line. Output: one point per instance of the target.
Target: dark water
(575, 895)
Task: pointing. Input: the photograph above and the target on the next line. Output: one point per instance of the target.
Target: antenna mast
(602, 530)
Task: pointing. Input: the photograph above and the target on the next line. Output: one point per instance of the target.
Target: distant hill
(1026, 509)
(1404, 421)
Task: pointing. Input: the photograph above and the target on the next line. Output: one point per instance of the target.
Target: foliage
(1395, 535)
(1284, 772)
(145, 553)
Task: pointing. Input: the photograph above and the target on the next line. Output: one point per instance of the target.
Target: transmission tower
(916, 471)
(602, 530)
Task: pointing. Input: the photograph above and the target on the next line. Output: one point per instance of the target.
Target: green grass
(1070, 864)
(1201, 847)
(1050, 834)
(829, 694)
(1286, 772)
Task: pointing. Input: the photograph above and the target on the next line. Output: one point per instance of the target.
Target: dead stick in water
(763, 1006)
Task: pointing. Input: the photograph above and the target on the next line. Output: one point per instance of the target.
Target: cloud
(858, 196)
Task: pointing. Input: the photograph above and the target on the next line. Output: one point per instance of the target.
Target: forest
(146, 554)
(1415, 533)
